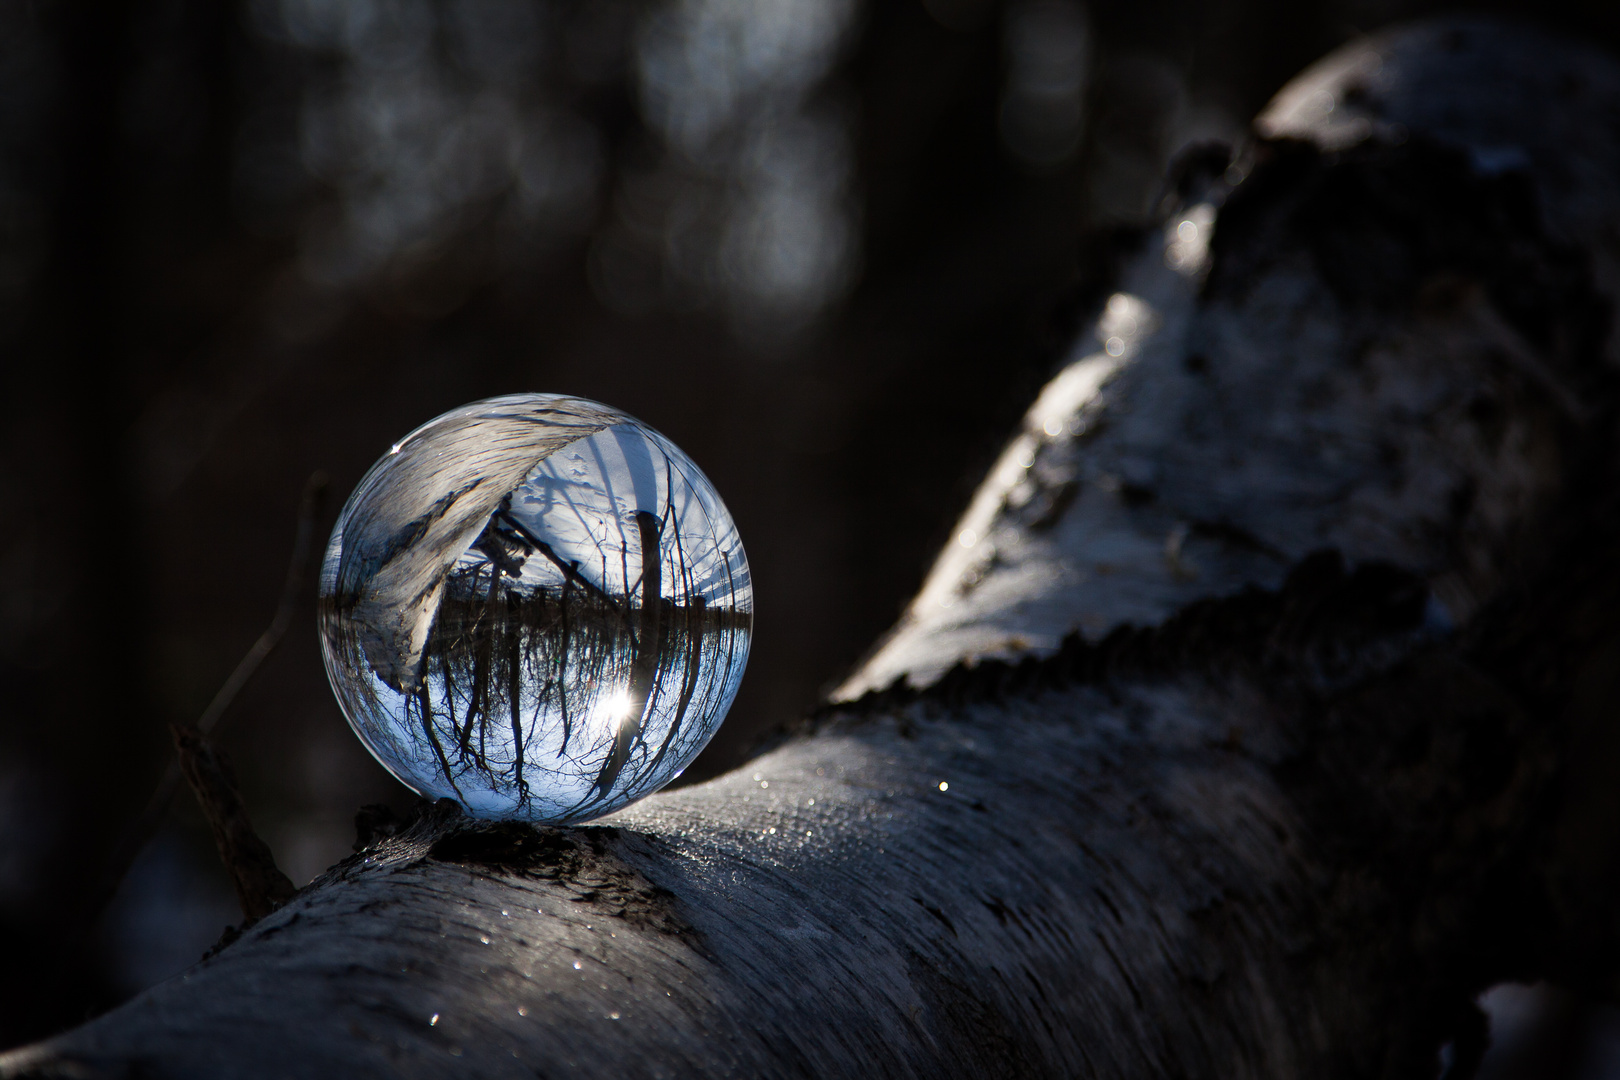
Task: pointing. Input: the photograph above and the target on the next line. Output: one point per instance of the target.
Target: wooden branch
(207, 773)
(260, 885)
(1259, 716)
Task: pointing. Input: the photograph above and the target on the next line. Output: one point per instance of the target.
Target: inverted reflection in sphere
(537, 606)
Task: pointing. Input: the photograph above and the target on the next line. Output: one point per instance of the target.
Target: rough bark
(1258, 717)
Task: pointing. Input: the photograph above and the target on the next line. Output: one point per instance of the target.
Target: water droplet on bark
(537, 606)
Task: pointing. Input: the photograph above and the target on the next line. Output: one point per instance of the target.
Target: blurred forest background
(830, 247)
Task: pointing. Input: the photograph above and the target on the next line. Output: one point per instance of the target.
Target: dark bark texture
(1259, 715)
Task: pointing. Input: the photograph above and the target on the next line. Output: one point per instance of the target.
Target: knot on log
(584, 861)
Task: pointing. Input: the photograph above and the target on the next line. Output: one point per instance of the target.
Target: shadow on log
(1261, 716)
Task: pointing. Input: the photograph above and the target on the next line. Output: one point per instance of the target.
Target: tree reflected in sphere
(537, 606)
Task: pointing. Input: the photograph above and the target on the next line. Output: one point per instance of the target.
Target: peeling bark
(1260, 715)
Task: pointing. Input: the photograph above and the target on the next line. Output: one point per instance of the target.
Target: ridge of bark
(1314, 633)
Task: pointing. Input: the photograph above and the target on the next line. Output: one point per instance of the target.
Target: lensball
(537, 606)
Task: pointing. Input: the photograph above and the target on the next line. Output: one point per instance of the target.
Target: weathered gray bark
(1334, 506)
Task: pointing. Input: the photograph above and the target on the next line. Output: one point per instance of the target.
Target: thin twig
(303, 545)
(145, 826)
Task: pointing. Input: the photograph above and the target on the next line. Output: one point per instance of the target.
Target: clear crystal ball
(537, 606)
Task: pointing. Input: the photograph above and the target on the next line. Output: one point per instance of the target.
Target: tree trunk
(1257, 717)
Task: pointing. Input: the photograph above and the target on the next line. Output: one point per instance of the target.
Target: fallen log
(1259, 715)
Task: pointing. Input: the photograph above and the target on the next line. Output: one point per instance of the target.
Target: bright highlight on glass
(537, 606)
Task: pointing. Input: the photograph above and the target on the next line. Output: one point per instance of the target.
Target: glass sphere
(537, 606)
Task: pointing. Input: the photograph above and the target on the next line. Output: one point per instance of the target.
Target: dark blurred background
(830, 247)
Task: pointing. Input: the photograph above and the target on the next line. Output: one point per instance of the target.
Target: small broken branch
(261, 887)
(145, 826)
